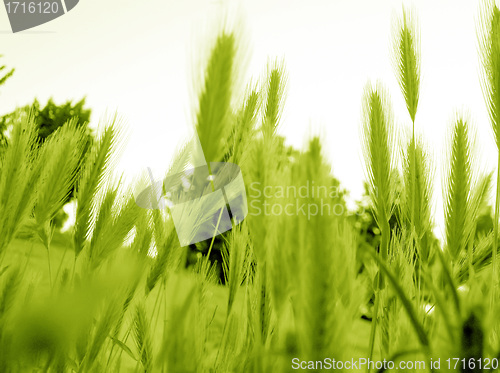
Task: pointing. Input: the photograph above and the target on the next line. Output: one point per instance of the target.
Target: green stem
(47, 246)
(373, 328)
(213, 237)
(210, 174)
(383, 254)
(405, 301)
(413, 176)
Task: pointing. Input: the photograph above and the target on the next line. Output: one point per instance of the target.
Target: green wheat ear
(96, 168)
(472, 260)
(214, 110)
(379, 153)
(490, 50)
(458, 190)
(407, 60)
(489, 43)
(20, 171)
(143, 339)
(60, 156)
(406, 55)
(417, 195)
(243, 130)
(274, 89)
(378, 133)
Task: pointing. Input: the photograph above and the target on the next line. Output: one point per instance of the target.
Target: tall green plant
(379, 138)
(214, 108)
(458, 195)
(18, 184)
(90, 182)
(489, 43)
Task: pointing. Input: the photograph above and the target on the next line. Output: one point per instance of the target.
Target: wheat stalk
(489, 44)
(458, 192)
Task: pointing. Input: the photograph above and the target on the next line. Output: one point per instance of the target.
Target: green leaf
(124, 347)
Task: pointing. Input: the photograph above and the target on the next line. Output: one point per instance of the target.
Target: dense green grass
(32, 255)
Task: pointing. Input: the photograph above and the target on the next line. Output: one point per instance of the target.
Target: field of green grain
(279, 291)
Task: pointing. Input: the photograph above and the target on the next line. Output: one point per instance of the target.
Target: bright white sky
(136, 58)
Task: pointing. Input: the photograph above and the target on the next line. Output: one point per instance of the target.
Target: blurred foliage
(3, 78)
(294, 292)
(293, 159)
(48, 119)
(364, 222)
(52, 116)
